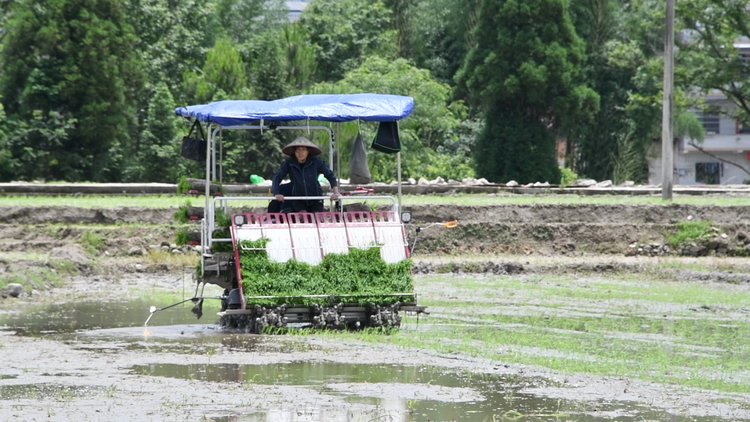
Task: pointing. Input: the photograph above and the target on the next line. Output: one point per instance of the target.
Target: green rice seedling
(181, 237)
(181, 215)
(361, 272)
(679, 333)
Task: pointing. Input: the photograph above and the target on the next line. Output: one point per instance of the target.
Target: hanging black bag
(359, 172)
(387, 139)
(194, 148)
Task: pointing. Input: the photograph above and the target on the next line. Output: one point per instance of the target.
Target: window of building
(710, 122)
(708, 173)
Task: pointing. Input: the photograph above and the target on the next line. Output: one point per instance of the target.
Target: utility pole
(667, 121)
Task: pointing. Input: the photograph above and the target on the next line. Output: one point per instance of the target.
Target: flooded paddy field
(620, 346)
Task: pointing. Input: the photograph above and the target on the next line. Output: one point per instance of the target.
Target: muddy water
(83, 316)
(278, 378)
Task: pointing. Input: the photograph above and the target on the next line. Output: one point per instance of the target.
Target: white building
(295, 9)
(726, 143)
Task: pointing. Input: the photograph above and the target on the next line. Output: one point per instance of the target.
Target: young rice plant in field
(361, 272)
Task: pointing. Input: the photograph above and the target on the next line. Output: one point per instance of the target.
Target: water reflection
(71, 317)
(404, 393)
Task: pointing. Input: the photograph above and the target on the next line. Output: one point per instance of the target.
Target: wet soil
(80, 354)
(54, 368)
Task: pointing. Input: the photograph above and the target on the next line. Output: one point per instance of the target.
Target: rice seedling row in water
(686, 334)
(361, 272)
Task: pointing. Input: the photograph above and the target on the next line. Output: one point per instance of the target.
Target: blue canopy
(322, 107)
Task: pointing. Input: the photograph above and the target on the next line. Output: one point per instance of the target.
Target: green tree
(267, 64)
(597, 147)
(223, 76)
(524, 72)
(344, 32)
(402, 16)
(34, 142)
(434, 122)
(707, 54)
(71, 62)
(159, 156)
(300, 57)
(172, 37)
(641, 123)
(242, 20)
(7, 162)
(440, 35)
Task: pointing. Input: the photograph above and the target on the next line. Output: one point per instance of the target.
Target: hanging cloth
(387, 139)
(359, 172)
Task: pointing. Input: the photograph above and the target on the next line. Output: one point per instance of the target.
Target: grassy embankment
(52, 272)
(174, 201)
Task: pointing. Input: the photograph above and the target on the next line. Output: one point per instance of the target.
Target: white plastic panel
(251, 230)
(390, 235)
(309, 237)
(359, 229)
(332, 233)
(276, 229)
(304, 236)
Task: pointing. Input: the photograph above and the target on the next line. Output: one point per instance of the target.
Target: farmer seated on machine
(303, 167)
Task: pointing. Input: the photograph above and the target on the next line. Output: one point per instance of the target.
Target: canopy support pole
(338, 156)
(398, 165)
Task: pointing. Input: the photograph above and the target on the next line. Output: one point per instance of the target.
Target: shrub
(181, 215)
(568, 176)
(689, 230)
(92, 242)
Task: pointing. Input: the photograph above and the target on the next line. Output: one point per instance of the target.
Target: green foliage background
(88, 87)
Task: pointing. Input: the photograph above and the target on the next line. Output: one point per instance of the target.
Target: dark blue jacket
(304, 177)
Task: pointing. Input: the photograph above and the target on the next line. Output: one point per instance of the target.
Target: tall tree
(71, 62)
(524, 72)
(300, 57)
(344, 32)
(267, 65)
(172, 37)
(595, 148)
(159, 155)
(402, 16)
(223, 75)
(241, 20)
(441, 35)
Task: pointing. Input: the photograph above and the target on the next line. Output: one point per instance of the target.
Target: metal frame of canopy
(260, 123)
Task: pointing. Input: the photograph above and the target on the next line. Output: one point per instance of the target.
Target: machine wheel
(384, 316)
(328, 316)
(269, 317)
